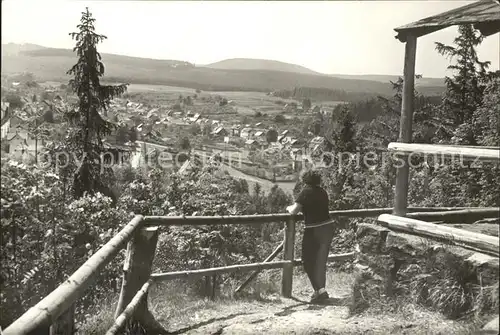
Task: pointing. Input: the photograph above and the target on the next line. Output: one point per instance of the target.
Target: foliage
(14, 100)
(341, 130)
(184, 144)
(88, 128)
(45, 239)
(306, 104)
(465, 88)
(280, 118)
(486, 119)
(271, 135)
(321, 94)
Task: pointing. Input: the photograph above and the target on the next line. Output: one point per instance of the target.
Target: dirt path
(296, 316)
(276, 315)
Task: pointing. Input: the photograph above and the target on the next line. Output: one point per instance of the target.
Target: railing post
(65, 324)
(405, 126)
(288, 255)
(136, 272)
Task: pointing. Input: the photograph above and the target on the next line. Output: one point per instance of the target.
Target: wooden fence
(141, 236)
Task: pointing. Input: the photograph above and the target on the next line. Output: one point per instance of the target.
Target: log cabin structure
(484, 15)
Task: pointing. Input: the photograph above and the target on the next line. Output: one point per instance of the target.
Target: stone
(491, 327)
(405, 246)
(371, 238)
(486, 268)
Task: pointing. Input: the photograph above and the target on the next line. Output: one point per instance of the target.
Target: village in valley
(259, 134)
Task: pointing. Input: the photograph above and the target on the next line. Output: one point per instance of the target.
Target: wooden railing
(406, 149)
(141, 236)
(483, 243)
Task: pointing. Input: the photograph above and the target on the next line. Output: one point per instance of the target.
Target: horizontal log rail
(121, 320)
(48, 310)
(459, 216)
(254, 274)
(449, 151)
(240, 267)
(43, 314)
(267, 218)
(474, 241)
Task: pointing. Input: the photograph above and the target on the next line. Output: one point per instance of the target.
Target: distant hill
(386, 78)
(51, 64)
(272, 65)
(259, 64)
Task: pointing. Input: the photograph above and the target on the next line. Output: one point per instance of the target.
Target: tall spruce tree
(464, 90)
(88, 128)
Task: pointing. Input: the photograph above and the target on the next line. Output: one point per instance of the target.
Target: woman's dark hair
(311, 178)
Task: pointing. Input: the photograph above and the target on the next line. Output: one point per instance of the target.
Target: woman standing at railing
(312, 201)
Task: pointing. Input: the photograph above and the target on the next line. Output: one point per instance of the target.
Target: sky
(334, 37)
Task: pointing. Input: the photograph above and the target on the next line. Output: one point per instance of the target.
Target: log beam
(441, 152)
(60, 300)
(474, 241)
(458, 216)
(267, 218)
(241, 267)
(405, 126)
(255, 273)
(288, 255)
(136, 273)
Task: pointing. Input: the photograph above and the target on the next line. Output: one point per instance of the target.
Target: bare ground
(273, 314)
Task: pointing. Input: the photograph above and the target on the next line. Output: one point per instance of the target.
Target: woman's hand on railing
(294, 209)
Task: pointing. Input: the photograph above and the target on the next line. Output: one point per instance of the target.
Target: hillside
(259, 64)
(51, 64)
(272, 65)
(386, 78)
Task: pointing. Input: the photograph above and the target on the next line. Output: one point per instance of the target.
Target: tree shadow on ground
(205, 323)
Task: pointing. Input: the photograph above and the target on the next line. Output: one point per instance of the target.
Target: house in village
(246, 133)
(284, 138)
(259, 134)
(317, 143)
(195, 117)
(5, 110)
(21, 144)
(252, 144)
(10, 125)
(290, 108)
(220, 132)
(296, 143)
(5, 128)
(235, 130)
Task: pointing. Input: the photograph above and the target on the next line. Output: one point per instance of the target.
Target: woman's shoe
(320, 297)
(314, 296)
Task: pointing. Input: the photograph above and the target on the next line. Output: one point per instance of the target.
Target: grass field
(246, 103)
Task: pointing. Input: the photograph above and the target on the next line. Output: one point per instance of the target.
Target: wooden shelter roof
(483, 14)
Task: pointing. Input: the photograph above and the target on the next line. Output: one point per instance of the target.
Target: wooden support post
(405, 126)
(136, 272)
(65, 324)
(255, 273)
(38, 319)
(288, 255)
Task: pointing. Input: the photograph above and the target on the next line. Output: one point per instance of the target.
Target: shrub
(45, 239)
